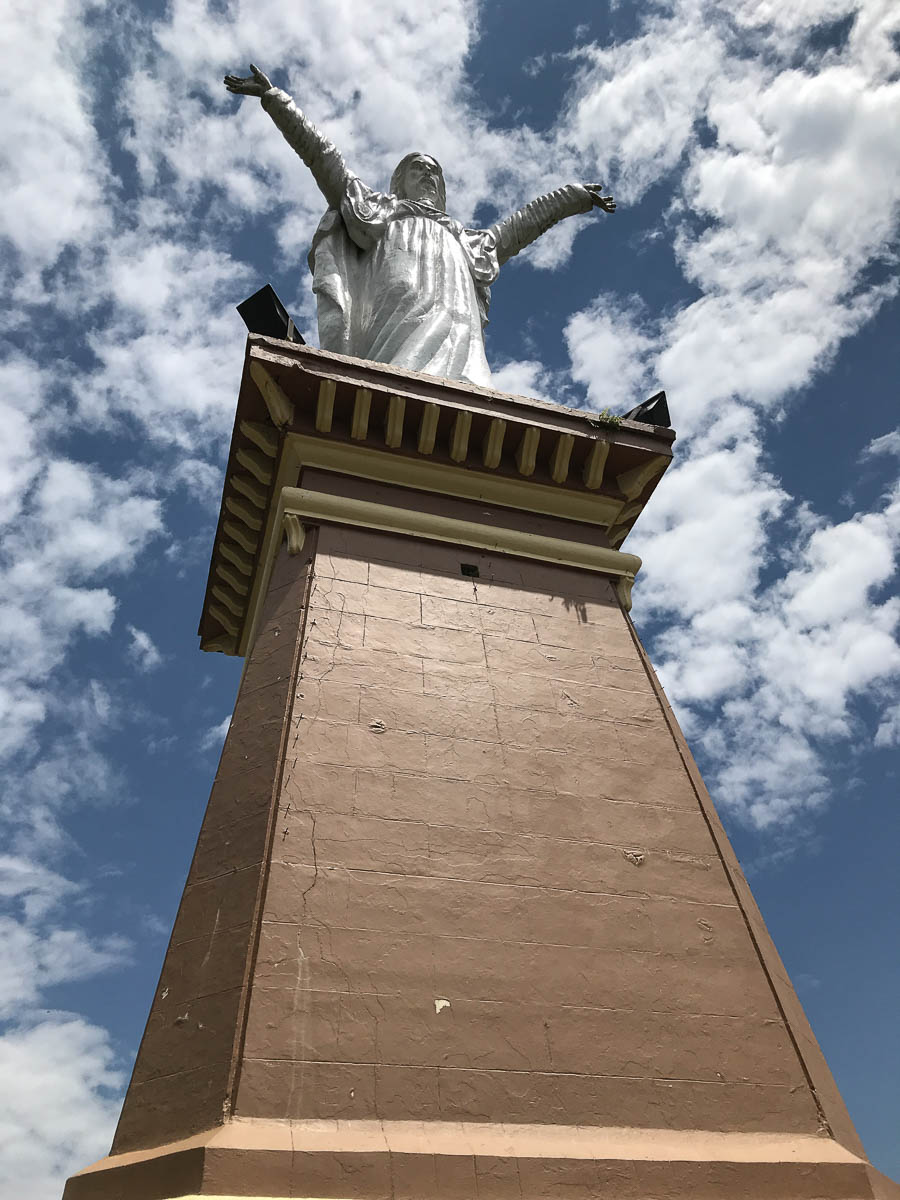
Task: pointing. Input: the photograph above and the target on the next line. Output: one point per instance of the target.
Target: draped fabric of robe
(399, 281)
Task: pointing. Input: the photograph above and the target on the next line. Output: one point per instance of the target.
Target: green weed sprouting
(607, 419)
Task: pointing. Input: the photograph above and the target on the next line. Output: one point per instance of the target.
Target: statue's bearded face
(419, 177)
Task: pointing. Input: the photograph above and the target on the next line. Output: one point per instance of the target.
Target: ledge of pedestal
(300, 407)
(375, 1160)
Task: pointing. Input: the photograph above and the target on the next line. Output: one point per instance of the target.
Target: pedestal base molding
(408, 1160)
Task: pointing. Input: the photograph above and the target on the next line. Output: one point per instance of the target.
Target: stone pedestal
(462, 921)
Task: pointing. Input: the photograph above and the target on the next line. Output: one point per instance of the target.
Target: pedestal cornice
(305, 408)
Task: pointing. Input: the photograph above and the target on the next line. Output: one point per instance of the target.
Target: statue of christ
(396, 279)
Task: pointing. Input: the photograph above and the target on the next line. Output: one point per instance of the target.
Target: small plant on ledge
(607, 419)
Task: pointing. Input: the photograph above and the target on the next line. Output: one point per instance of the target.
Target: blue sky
(751, 270)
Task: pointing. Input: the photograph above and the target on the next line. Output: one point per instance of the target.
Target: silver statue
(396, 279)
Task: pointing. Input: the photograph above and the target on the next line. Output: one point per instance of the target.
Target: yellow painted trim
(633, 482)
(492, 447)
(258, 464)
(262, 436)
(526, 455)
(430, 476)
(296, 533)
(459, 439)
(562, 454)
(280, 408)
(393, 422)
(325, 405)
(428, 428)
(596, 464)
(245, 513)
(270, 540)
(309, 505)
(362, 406)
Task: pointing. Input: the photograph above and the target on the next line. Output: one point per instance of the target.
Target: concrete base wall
(493, 894)
(458, 870)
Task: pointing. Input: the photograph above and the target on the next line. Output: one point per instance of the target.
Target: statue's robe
(399, 281)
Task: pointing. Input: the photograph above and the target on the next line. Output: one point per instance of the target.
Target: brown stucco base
(462, 923)
(372, 1160)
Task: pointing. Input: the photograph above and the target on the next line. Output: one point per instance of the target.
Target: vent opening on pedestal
(468, 569)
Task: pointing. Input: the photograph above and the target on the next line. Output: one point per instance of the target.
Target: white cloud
(704, 536)
(203, 480)
(636, 102)
(53, 151)
(35, 887)
(840, 565)
(762, 221)
(527, 378)
(766, 674)
(23, 391)
(58, 1115)
(764, 658)
(405, 86)
(77, 523)
(888, 732)
(609, 353)
(170, 354)
(142, 650)
(781, 209)
(36, 959)
(215, 735)
(888, 444)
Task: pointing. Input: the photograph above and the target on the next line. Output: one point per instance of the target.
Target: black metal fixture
(264, 313)
(654, 411)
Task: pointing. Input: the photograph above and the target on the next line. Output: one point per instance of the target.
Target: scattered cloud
(36, 959)
(527, 378)
(888, 445)
(202, 479)
(888, 732)
(57, 149)
(215, 735)
(76, 525)
(141, 650)
(58, 1116)
(770, 620)
(610, 353)
(36, 888)
(765, 671)
(758, 224)
(635, 103)
(68, 1078)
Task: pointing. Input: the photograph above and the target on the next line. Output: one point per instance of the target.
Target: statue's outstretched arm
(320, 155)
(524, 226)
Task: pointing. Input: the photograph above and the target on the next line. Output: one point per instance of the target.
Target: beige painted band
(345, 510)
(490, 1140)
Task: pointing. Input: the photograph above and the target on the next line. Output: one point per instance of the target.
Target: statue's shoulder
(367, 200)
(481, 237)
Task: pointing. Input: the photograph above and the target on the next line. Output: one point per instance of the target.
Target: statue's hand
(256, 84)
(595, 191)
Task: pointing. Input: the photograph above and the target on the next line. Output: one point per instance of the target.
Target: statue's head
(419, 177)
